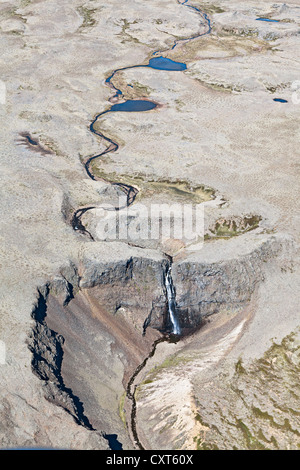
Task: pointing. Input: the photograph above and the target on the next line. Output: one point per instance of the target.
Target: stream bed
(158, 62)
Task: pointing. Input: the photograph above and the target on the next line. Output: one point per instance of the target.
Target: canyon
(149, 343)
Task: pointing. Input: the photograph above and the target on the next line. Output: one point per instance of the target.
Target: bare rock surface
(73, 307)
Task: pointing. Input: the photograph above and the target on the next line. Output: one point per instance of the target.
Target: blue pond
(163, 63)
(30, 140)
(113, 442)
(267, 19)
(280, 100)
(133, 106)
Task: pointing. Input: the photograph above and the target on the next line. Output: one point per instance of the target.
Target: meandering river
(162, 63)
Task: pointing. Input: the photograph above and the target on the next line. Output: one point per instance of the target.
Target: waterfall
(171, 302)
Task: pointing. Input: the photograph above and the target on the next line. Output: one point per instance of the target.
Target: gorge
(115, 338)
(197, 300)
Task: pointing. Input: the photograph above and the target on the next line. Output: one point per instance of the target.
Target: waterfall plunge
(171, 302)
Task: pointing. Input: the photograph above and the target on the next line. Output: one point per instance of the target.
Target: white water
(171, 302)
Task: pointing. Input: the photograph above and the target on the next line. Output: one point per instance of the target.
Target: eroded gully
(138, 105)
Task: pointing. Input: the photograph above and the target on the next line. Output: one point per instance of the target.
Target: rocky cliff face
(47, 355)
(88, 338)
(96, 323)
(205, 286)
(133, 287)
(242, 411)
(91, 337)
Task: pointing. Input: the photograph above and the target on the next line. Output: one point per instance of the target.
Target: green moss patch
(229, 43)
(258, 407)
(178, 190)
(87, 15)
(131, 90)
(232, 227)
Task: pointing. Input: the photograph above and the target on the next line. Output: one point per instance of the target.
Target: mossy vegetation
(147, 381)
(227, 43)
(232, 227)
(260, 406)
(251, 442)
(121, 409)
(13, 12)
(179, 104)
(179, 190)
(88, 16)
(208, 8)
(275, 88)
(202, 445)
(239, 369)
(125, 35)
(225, 87)
(172, 361)
(130, 90)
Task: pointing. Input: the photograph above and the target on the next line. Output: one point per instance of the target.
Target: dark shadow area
(113, 442)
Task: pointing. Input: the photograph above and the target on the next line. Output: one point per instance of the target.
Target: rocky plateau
(85, 329)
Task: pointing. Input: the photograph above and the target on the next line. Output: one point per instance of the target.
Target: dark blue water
(280, 100)
(204, 16)
(30, 140)
(159, 63)
(113, 442)
(163, 63)
(267, 19)
(133, 106)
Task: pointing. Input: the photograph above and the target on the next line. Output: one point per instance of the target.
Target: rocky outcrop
(91, 319)
(254, 405)
(203, 285)
(47, 356)
(222, 273)
(132, 285)
(102, 318)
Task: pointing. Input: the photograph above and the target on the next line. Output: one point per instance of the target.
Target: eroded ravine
(131, 391)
